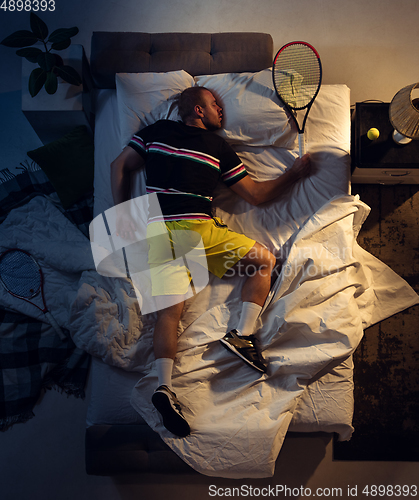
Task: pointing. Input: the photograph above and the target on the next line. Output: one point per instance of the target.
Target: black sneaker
(169, 408)
(244, 347)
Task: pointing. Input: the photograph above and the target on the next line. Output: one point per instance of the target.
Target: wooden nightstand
(52, 116)
(381, 161)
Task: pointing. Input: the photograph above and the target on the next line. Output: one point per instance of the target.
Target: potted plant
(50, 65)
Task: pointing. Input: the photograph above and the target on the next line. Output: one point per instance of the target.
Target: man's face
(212, 112)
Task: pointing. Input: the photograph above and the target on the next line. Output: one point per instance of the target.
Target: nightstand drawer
(385, 176)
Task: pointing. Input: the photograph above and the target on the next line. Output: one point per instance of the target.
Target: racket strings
(297, 73)
(20, 274)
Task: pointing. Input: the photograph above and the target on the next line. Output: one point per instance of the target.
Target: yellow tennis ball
(373, 134)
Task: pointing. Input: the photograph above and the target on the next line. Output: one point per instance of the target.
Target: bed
(328, 292)
(328, 289)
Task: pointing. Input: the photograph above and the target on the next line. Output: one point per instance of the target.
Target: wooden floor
(386, 376)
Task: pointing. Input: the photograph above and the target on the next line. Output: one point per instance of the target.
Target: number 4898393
(28, 5)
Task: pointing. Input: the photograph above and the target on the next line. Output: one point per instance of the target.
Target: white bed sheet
(328, 138)
(329, 291)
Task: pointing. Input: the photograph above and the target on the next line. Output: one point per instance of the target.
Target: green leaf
(38, 27)
(36, 81)
(46, 61)
(30, 53)
(62, 34)
(51, 83)
(58, 60)
(69, 74)
(61, 45)
(22, 38)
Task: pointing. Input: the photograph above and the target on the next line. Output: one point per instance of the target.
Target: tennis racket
(22, 277)
(297, 76)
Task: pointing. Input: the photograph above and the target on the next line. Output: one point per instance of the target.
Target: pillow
(69, 164)
(144, 98)
(330, 108)
(252, 112)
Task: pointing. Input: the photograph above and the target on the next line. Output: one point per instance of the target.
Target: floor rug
(386, 376)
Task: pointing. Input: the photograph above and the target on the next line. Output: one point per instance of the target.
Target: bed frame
(122, 449)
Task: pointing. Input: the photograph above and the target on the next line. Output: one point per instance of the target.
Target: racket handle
(55, 325)
(301, 145)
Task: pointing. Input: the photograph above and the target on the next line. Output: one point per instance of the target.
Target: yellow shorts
(175, 246)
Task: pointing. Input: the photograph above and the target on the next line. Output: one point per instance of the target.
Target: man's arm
(121, 169)
(260, 192)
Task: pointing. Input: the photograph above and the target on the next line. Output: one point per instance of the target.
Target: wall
(369, 45)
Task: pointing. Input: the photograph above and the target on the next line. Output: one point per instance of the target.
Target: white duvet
(329, 291)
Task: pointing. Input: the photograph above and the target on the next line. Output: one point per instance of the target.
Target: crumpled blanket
(33, 357)
(61, 249)
(329, 291)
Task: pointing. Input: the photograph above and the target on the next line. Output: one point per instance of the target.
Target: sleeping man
(184, 160)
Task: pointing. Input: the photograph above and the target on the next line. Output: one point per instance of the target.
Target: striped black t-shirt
(183, 166)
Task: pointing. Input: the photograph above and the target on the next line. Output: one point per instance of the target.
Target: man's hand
(302, 167)
(125, 226)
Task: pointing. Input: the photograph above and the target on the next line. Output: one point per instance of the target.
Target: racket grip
(301, 145)
(55, 325)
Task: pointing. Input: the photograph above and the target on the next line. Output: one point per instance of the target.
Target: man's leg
(165, 330)
(165, 348)
(258, 264)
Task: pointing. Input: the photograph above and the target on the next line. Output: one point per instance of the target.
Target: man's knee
(270, 259)
(261, 257)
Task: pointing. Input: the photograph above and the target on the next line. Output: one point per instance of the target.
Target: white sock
(249, 315)
(164, 371)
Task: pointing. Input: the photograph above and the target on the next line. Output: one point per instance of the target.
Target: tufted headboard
(196, 53)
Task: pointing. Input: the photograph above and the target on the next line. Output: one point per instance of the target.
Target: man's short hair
(188, 99)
